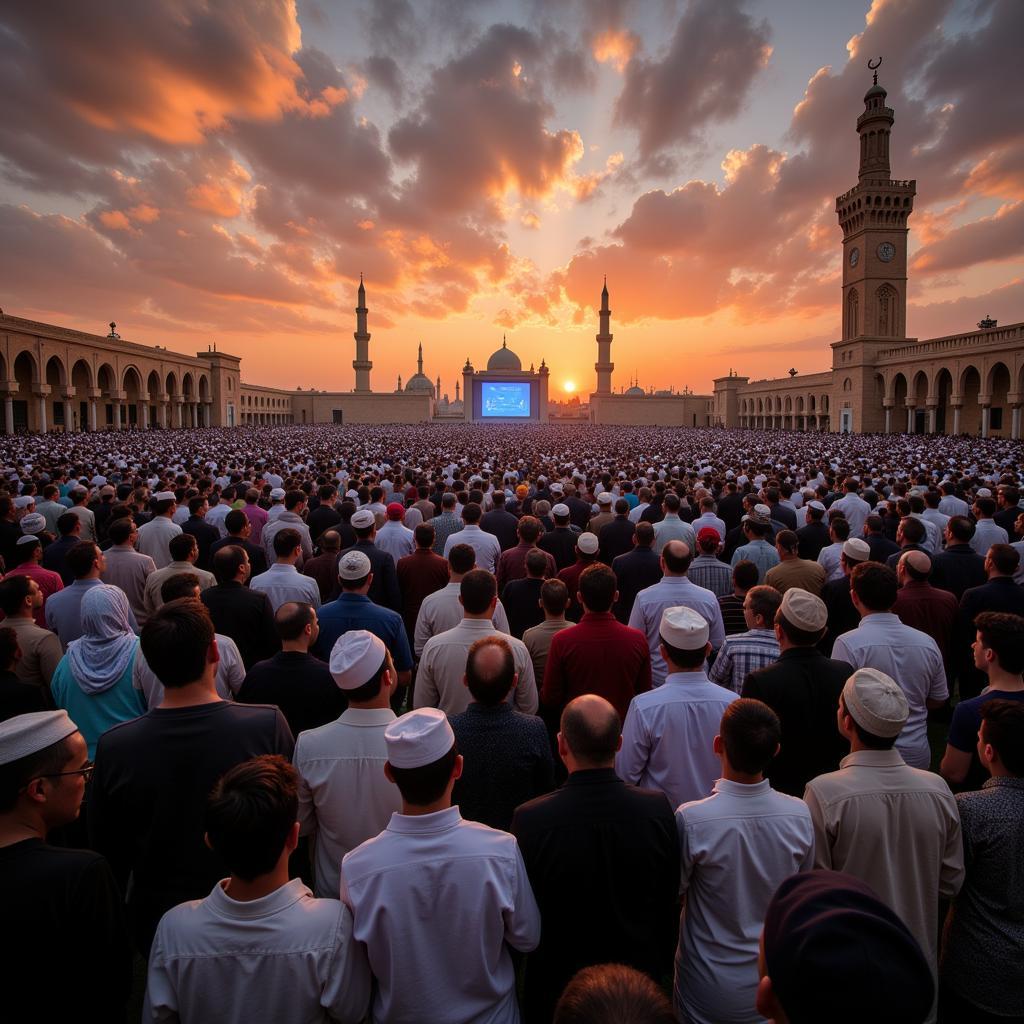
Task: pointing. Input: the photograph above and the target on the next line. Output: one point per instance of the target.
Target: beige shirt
(797, 572)
(40, 652)
(129, 570)
(155, 581)
(538, 642)
(443, 665)
(895, 827)
(155, 538)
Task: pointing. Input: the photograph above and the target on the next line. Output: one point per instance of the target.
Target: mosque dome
(875, 90)
(635, 390)
(504, 359)
(419, 382)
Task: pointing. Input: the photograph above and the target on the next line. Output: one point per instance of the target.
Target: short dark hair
(554, 595)
(293, 498)
(477, 590)
(840, 527)
(424, 535)
(1003, 633)
(121, 529)
(874, 523)
(235, 520)
(962, 529)
(227, 561)
(424, 785)
(490, 689)
(291, 618)
(176, 640)
(613, 994)
(529, 529)
(196, 503)
(16, 775)
(251, 811)
(13, 592)
(675, 561)
(66, 523)
(765, 601)
(597, 586)
(644, 534)
(1003, 727)
(181, 546)
(986, 506)
(286, 541)
(745, 574)
(471, 513)
(81, 557)
(1005, 558)
(536, 562)
(750, 732)
(181, 584)
(875, 585)
(461, 558)
(913, 530)
(590, 742)
(787, 540)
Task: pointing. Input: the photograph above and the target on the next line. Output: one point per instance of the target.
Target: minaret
(419, 361)
(456, 390)
(361, 364)
(604, 364)
(437, 393)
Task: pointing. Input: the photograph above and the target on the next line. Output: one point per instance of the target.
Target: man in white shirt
(439, 682)
(668, 732)
(289, 519)
(216, 515)
(155, 536)
(486, 545)
(853, 506)
(344, 796)
(737, 846)
(282, 581)
(437, 901)
(672, 527)
(909, 656)
(259, 947)
(674, 589)
(394, 537)
(442, 610)
(829, 557)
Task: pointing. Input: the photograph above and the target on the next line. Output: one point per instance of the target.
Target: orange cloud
(614, 46)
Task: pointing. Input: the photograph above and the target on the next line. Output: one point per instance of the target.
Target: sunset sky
(223, 172)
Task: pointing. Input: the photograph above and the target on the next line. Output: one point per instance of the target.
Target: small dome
(504, 359)
(875, 90)
(635, 390)
(420, 384)
(456, 406)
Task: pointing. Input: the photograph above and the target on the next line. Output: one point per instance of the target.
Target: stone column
(986, 411)
(208, 414)
(42, 414)
(910, 417)
(68, 417)
(8, 414)
(181, 414)
(888, 419)
(933, 417)
(144, 400)
(117, 412)
(1015, 427)
(92, 413)
(956, 417)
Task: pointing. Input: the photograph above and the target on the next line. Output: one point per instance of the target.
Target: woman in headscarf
(93, 681)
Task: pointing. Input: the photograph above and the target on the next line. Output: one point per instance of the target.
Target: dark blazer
(881, 547)
(842, 616)
(321, 518)
(956, 569)
(501, 524)
(616, 538)
(785, 515)
(384, 588)
(803, 689)
(812, 538)
(520, 599)
(730, 509)
(635, 571)
(206, 536)
(244, 615)
(257, 556)
(300, 685)
(603, 860)
(1007, 519)
(580, 512)
(1000, 594)
(560, 543)
(893, 560)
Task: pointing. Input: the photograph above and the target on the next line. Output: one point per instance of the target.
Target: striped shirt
(742, 654)
(711, 574)
(732, 614)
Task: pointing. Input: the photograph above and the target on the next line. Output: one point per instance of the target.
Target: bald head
(677, 557)
(590, 728)
(917, 565)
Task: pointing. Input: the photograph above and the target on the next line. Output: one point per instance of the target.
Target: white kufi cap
(684, 628)
(418, 738)
(24, 735)
(356, 657)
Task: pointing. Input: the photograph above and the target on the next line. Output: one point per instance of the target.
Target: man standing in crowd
(282, 581)
(554, 599)
(521, 598)
(238, 531)
(184, 555)
(155, 536)
(707, 570)
(344, 797)
(289, 519)
(924, 607)
(603, 859)
(20, 599)
(486, 545)
(744, 653)
(757, 549)
(792, 570)
(127, 568)
(734, 619)
(384, 589)
(512, 563)
(959, 567)
(420, 574)
(842, 615)
(616, 537)
(449, 959)
(237, 611)
(635, 570)
(500, 523)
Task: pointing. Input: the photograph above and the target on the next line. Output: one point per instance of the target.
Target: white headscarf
(107, 645)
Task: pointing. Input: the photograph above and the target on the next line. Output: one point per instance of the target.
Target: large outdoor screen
(505, 401)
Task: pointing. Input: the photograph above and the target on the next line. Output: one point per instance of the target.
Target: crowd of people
(476, 724)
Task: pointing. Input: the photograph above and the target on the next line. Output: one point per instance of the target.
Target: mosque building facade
(54, 378)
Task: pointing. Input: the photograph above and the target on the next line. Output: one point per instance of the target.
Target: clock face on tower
(886, 252)
(854, 256)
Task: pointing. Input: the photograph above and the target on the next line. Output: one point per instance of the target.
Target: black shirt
(521, 600)
(507, 762)
(634, 571)
(560, 543)
(67, 952)
(300, 685)
(18, 698)
(257, 556)
(148, 798)
(244, 615)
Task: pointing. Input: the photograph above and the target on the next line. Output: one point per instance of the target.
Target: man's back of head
(177, 641)
(490, 670)
(590, 733)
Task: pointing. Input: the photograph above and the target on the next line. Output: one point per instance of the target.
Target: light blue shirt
(986, 533)
(64, 611)
(673, 592)
(673, 528)
(282, 583)
(761, 553)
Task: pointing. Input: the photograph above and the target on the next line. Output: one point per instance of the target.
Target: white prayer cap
(351, 494)
(560, 510)
(26, 538)
(354, 565)
(357, 655)
(803, 610)
(983, 492)
(604, 498)
(277, 494)
(34, 522)
(556, 488)
(27, 734)
(165, 496)
(856, 550)
(683, 628)
(816, 504)
(587, 543)
(24, 500)
(362, 519)
(418, 738)
(876, 702)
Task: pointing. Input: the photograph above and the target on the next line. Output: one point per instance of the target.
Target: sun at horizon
(569, 387)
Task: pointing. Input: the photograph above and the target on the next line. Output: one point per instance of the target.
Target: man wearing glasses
(68, 956)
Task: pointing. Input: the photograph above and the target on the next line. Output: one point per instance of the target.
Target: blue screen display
(505, 401)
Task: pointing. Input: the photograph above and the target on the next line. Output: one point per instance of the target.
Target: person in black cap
(831, 950)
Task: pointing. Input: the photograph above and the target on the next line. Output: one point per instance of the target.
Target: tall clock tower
(873, 216)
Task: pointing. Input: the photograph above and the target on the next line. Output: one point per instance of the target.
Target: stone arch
(998, 384)
(56, 379)
(900, 389)
(26, 377)
(969, 392)
(131, 384)
(942, 388)
(886, 315)
(154, 390)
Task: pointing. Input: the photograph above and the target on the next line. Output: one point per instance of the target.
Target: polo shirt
(283, 582)
(357, 611)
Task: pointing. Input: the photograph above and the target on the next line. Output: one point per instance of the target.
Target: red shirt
(600, 655)
(419, 575)
(49, 583)
(933, 611)
(512, 564)
(571, 578)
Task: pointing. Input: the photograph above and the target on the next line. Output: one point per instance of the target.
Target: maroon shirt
(600, 655)
(512, 564)
(419, 575)
(931, 610)
(571, 578)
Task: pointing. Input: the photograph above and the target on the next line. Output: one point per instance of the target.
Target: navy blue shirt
(357, 611)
